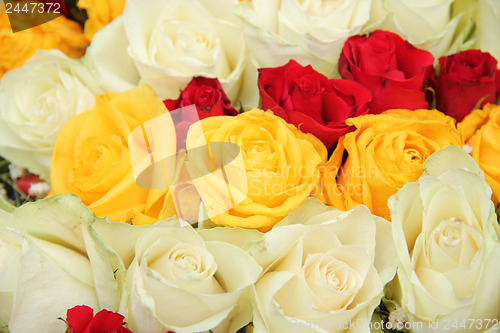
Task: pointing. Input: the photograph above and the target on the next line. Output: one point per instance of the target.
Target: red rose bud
(391, 68)
(466, 80)
(208, 97)
(310, 101)
(81, 319)
(24, 183)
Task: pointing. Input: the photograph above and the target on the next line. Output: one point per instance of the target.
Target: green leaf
(478, 104)
(432, 105)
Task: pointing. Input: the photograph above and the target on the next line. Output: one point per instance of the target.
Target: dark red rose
(208, 97)
(391, 68)
(81, 319)
(465, 79)
(312, 102)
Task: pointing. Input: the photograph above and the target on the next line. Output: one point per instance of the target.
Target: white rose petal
(442, 27)
(11, 242)
(487, 20)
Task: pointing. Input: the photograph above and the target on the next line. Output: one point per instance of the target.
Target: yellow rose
(100, 13)
(481, 131)
(385, 152)
(60, 33)
(91, 158)
(280, 164)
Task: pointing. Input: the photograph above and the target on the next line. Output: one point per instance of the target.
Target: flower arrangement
(249, 166)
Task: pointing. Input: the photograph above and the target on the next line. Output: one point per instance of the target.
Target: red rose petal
(78, 318)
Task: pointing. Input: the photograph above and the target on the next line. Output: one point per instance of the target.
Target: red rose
(312, 102)
(208, 97)
(465, 79)
(81, 319)
(391, 68)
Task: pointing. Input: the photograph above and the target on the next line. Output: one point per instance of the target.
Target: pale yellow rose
(281, 166)
(53, 89)
(100, 13)
(324, 270)
(481, 131)
(385, 152)
(446, 234)
(181, 282)
(91, 158)
(60, 33)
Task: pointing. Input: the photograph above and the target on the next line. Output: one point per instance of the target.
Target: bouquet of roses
(238, 166)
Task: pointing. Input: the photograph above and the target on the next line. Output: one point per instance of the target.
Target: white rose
(445, 231)
(51, 260)
(326, 276)
(36, 100)
(167, 43)
(180, 282)
(442, 27)
(308, 31)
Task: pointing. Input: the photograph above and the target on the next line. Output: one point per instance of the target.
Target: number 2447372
(33, 7)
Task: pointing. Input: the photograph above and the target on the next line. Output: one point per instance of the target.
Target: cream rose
(325, 276)
(310, 32)
(446, 236)
(181, 283)
(51, 259)
(36, 100)
(166, 43)
(442, 27)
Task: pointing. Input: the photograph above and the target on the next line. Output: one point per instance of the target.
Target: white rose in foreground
(326, 276)
(11, 242)
(442, 27)
(181, 283)
(166, 43)
(36, 100)
(51, 259)
(310, 32)
(445, 230)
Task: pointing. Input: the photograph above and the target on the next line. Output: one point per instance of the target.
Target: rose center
(189, 261)
(452, 244)
(184, 39)
(333, 284)
(98, 157)
(321, 8)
